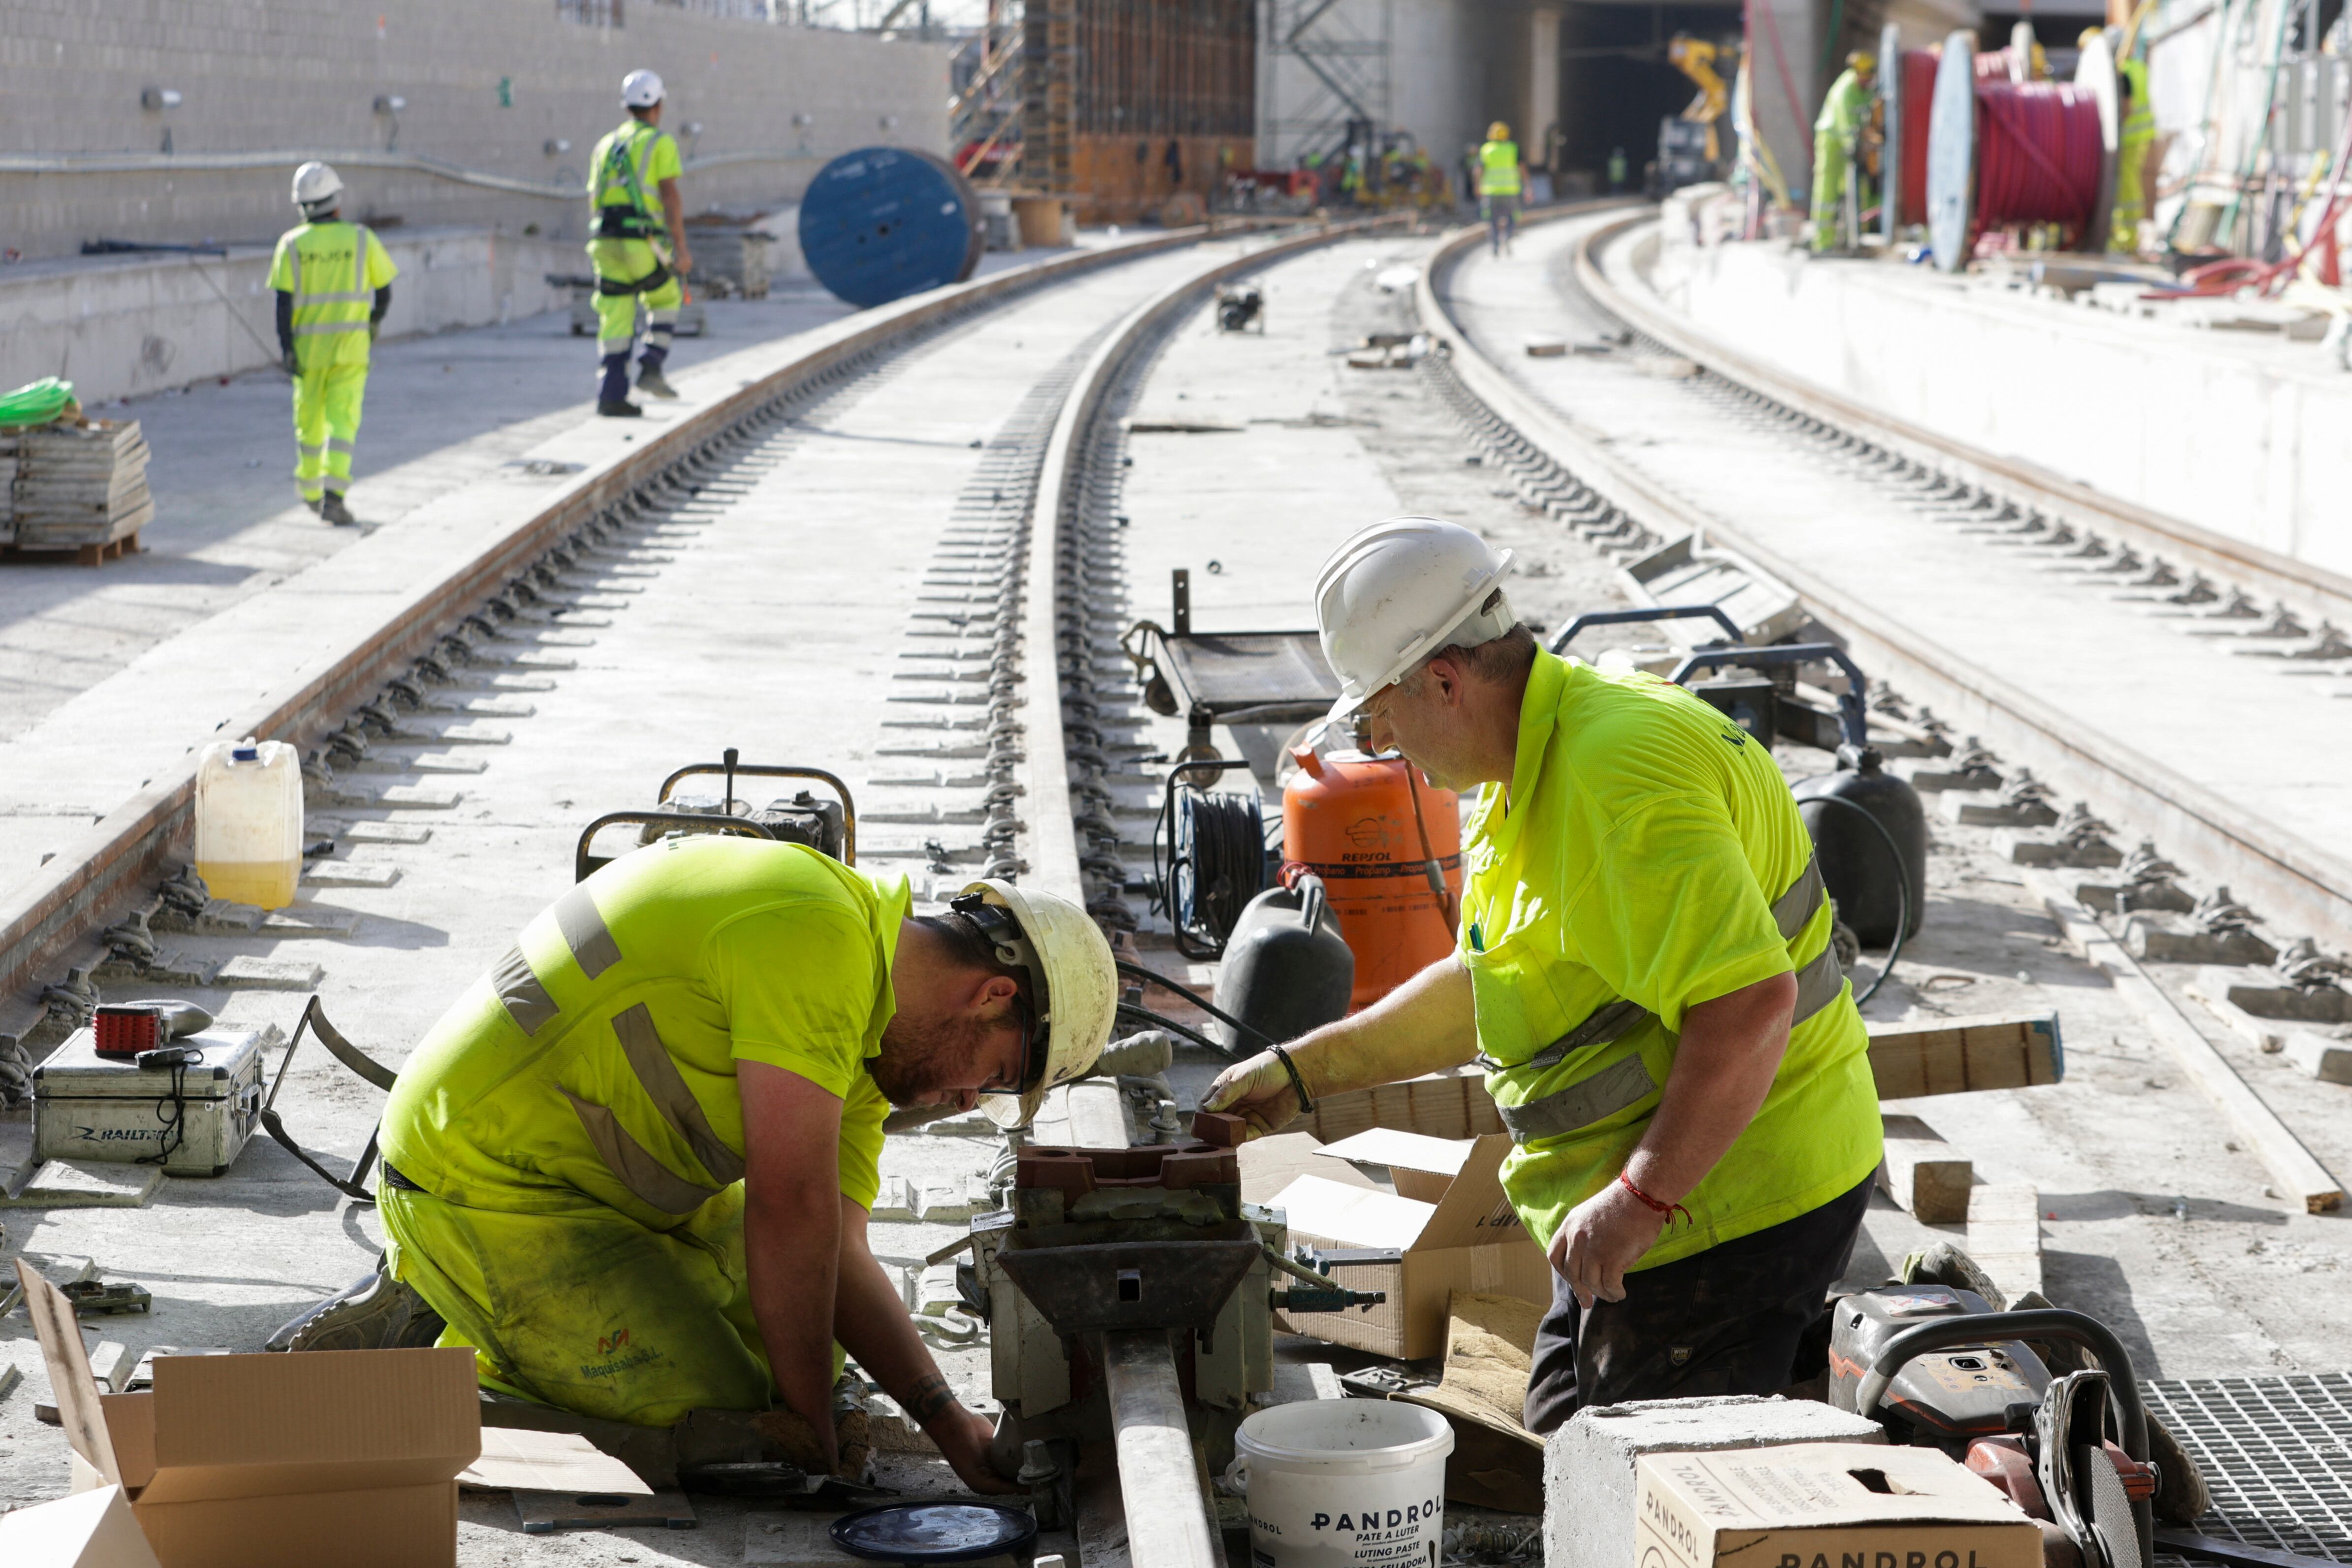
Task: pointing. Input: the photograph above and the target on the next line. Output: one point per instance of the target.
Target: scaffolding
(1339, 83)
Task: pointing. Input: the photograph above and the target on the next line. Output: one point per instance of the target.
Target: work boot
(618, 409)
(377, 1312)
(652, 384)
(332, 509)
(312, 504)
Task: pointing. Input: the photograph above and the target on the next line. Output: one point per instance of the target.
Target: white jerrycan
(249, 821)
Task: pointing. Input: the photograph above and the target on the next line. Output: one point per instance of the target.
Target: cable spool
(2001, 151)
(1217, 865)
(1910, 92)
(882, 223)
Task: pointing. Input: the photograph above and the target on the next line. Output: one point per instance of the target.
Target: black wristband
(1305, 1104)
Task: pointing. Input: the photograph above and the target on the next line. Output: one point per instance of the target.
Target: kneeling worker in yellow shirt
(632, 1165)
(1644, 969)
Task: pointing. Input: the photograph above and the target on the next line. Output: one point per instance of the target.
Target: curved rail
(48, 923)
(2297, 880)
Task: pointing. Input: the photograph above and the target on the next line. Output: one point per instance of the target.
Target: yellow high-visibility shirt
(597, 1060)
(1635, 856)
(332, 270)
(1498, 168)
(627, 168)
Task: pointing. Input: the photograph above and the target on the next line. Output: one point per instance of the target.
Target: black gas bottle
(1862, 876)
(1287, 969)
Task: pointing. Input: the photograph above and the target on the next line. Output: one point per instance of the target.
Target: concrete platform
(2238, 431)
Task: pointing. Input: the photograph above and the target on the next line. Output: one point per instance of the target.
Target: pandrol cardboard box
(348, 1457)
(1447, 1218)
(1825, 1505)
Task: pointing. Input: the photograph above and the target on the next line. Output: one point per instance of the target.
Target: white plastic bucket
(249, 822)
(1346, 1483)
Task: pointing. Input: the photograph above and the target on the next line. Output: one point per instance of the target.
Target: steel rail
(2295, 881)
(1051, 840)
(2314, 590)
(48, 923)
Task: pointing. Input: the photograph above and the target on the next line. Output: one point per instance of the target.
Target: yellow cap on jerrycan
(249, 821)
(1371, 829)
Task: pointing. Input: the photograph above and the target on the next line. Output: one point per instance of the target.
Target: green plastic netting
(36, 403)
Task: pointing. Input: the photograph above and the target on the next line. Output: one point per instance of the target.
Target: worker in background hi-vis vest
(1499, 184)
(1643, 966)
(2136, 135)
(633, 198)
(1835, 133)
(334, 283)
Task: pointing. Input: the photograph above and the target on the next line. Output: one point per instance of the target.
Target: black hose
(1153, 977)
(1902, 886)
(1217, 865)
(1135, 1015)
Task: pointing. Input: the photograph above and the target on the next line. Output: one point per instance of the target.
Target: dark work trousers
(1725, 1320)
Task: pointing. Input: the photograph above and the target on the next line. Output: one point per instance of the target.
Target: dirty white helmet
(1399, 591)
(640, 89)
(1073, 982)
(316, 185)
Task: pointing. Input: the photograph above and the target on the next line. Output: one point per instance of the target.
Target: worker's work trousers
(326, 424)
(626, 261)
(1832, 166)
(585, 1309)
(1501, 212)
(1725, 1320)
(2131, 204)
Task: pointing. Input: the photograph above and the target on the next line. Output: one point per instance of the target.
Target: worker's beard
(918, 1060)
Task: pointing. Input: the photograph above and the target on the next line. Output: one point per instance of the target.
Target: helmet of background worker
(1073, 982)
(1399, 591)
(317, 189)
(1864, 62)
(640, 89)
(1498, 131)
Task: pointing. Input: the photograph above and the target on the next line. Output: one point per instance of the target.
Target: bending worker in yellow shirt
(630, 1166)
(633, 201)
(333, 282)
(1644, 970)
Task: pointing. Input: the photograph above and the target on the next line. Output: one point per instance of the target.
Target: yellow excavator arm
(1694, 57)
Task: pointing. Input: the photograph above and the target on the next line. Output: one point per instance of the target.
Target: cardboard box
(274, 1461)
(87, 1530)
(1465, 1236)
(1825, 1502)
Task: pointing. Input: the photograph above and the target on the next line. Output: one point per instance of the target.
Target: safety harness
(622, 170)
(1628, 1081)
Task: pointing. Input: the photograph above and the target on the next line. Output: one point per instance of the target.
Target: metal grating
(2276, 1451)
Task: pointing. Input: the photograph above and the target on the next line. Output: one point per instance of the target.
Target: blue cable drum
(882, 223)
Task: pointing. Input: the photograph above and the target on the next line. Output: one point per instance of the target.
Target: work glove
(293, 365)
(372, 330)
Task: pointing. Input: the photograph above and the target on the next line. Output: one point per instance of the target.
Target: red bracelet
(1655, 1206)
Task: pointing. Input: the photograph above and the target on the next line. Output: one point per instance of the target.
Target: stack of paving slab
(75, 484)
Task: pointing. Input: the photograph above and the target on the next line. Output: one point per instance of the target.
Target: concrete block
(2165, 936)
(271, 973)
(2320, 1056)
(87, 1183)
(896, 1201)
(1588, 1463)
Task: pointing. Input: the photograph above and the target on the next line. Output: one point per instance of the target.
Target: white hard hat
(1073, 982)
(314, 183)
(1399, 591)
(640, 89)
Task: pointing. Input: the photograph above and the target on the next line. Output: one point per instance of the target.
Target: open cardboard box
(274, 1461)
(1447, 1216)
(1825, 1502)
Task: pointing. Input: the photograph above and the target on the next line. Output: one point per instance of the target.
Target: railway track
(2146, 746)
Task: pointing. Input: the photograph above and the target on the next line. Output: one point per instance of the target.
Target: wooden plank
(1955, 1056)
(2005, 1235)
(1924, 1173)
(2299, 1176)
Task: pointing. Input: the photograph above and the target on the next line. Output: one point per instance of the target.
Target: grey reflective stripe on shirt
(526, 1000)
(585, 934)
(308, 328)
(1627, 1082)
(628, 1159)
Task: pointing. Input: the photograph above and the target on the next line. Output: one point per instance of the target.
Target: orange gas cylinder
(1351, 819)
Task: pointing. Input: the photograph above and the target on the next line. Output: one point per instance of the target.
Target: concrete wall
(488, 85)
(1451, 65)
(2240, 434)
(119, 326)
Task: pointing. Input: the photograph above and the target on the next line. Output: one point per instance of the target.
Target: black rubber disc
(933, 1532)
